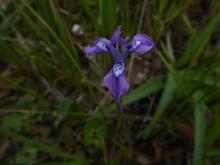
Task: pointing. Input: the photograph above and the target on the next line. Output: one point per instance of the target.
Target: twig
(101, 102)
(59, 96)
(138, 30)
(149, 109)
(142, 15)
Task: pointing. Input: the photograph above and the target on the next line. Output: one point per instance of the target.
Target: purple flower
(119, 48)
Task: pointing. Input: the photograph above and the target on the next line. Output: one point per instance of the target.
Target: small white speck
(77, 29)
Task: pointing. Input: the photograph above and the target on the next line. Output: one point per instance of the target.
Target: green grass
(55, 110)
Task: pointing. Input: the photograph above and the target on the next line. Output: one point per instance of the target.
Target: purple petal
(141, 44)
(115, 54)
(117, 83)
(123, 41)
(99, 46)
(116, 35)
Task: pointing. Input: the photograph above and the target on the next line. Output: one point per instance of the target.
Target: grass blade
(144, 90)
(65, 49)
(108, 16)
(199, 116)
(150, 87)
(197, 43)
(166, 99)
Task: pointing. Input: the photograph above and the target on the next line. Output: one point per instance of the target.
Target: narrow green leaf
(197, 42)
(108, 16)
(153, 85)
(214, 132)
(56, 37)
(199, 117)
(166, 99)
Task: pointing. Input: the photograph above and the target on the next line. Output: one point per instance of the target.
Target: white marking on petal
(138, 43)
(118, 69)
(134, 44)
(102, 46)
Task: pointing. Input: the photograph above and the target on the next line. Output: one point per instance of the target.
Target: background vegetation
(54, 109)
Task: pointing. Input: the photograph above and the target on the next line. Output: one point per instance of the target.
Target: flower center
(118, 69)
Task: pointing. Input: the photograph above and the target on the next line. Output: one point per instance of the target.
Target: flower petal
(115, 54)
(140, 44)
(99, 46)
(117, 85)
(116, 35)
